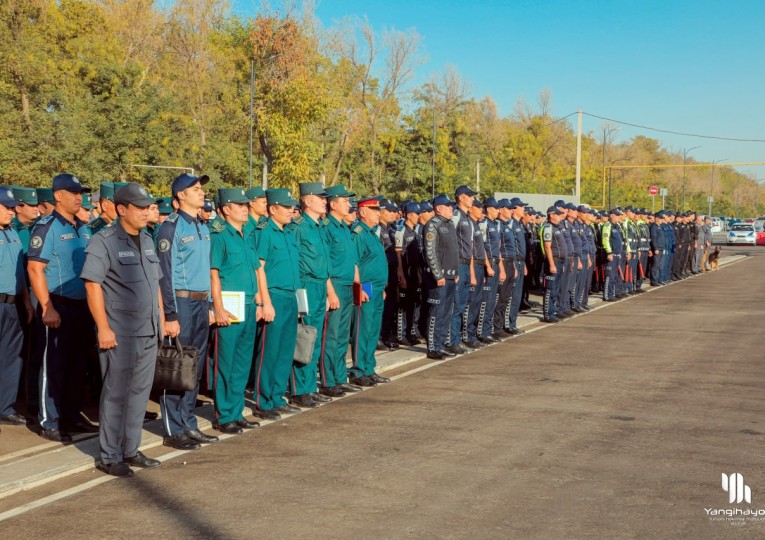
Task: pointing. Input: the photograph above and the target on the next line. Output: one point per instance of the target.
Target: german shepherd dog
(714, 259)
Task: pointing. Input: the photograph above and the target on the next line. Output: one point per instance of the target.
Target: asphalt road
(614, 424)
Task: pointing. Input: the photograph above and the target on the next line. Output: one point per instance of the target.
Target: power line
(673, 132)
(561, 119)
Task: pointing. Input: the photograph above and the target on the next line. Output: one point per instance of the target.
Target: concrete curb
(48, 466)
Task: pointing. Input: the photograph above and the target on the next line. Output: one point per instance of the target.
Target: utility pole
(685, 176)
(433, 160)
(252, 101)
(478, 175)
(579, 154)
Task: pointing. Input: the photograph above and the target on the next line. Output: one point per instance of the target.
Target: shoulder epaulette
(172, 218)
(45, 220)
(217, 226)
(95, 223)
(108, 231)
(357, 229)
(298, 220)
(324, 221)
(262, 225)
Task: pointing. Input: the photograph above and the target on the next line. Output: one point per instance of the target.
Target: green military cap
(45, 194)
(106, 191)
(216, 200)
(312, 188)
(25, 195)
(232, 195)
(256, 192)
(338, 191)
(282, 197)
(87, 203)
(165, 206)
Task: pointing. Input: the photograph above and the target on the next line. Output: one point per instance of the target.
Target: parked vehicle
(746, 233)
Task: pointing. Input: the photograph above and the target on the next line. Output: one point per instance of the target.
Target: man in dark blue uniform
(183, 246)
(121, 274)
(495, 270)
(555, 251)
(407, 242)
(465, 237)
(13, 289)
(613, 244)
(440, 276)
(658, 249)
(56, 254)
(518, 211)
(508, 252)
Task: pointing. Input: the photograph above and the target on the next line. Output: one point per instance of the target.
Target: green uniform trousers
(275, 351)
(232, 359)
(303, 380)
(332, 366)
(366, 333)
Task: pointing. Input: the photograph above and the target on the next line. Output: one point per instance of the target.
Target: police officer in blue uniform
(465, 234)
(577, 265)
(507, 251)
(56, 254)
(613, 244)
(13, 289)
(183, 247)
(407, 242)
(387, 231)
(555, 251)
(440, 276)
(495, 270)
(658, 248)
(121, 274)
(518, 210)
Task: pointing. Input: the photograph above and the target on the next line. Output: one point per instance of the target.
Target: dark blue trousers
(516, 295)
(657, 268)
(488, 302)
(561, 284)
(439, 312)
(11, 340)
(461, 295)
(178, 407)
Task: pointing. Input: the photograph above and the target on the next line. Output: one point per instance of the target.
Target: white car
(742, 233)
(717, 225)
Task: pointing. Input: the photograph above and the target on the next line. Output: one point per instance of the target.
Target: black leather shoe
(150, 416)
(412, 341)
(447, 353)
(14, 419)
(577, 309)
(345, 387)
(524, 306)
(319, 398)
(391, 344)
(379, 379)
(231, 428)
(508, 332)
(287, 409)
(181, 442)
(488, 340)
(456, 349)
(332, 391)
(80, 427)
(196, 435)
(517, 331)
(475, 344)
(246, 424)
(140, 460)
(269, 414)
(435, 355)
(499, 336)
(304, 401)
(116, 469)
(55, 436)
(362, 381)
(550, 320)
(381, 346)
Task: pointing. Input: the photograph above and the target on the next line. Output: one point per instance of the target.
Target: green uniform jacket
(342, 251)
(279, 249)
(373, 264)
(312, 245)
(233, 255)
(24, 232)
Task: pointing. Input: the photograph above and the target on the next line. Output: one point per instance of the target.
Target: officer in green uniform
(280, 277)
(108, 208)
(257, 207)
(343, 272)
(26, 214)
(314, 277)
(85, 213)
(233, 266)
(45, 202)
(373, 270)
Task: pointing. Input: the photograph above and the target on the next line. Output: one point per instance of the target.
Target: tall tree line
(97, 87)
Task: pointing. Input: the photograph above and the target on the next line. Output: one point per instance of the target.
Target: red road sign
(653, 190)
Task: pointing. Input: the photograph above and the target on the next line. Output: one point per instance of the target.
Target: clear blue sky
(687, 66)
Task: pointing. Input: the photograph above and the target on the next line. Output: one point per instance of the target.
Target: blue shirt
(61, 244)
(183, 248)
(11, 262)
(520, 238)
(507, 244)
(465, 233)
(491, 238)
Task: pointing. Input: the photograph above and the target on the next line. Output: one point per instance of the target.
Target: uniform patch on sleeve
(430, 236)
(164, 245)
(36, 242)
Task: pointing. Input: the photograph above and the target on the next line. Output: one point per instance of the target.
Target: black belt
(520, 259)
(494, 259)
(194, 295)
(64, 300)
(464, 261)
(7, 299)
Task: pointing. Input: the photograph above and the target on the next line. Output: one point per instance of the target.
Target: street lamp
(685, 176)
(712, 183)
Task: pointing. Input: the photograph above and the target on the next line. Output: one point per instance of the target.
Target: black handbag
(176, 368)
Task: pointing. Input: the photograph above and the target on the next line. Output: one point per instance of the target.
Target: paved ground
(617, 423)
